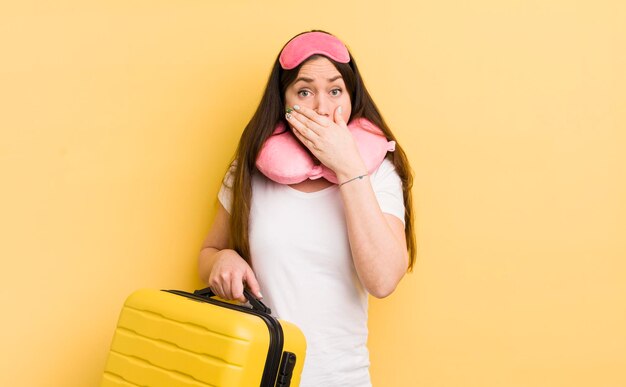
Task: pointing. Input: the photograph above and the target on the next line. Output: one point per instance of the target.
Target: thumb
(338, 117)
(253, 284)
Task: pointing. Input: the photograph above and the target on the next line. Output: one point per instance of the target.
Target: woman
(316, 243)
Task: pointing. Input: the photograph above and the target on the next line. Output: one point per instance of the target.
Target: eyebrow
(309, 80)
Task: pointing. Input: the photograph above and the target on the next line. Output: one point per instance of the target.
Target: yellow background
(118, 119)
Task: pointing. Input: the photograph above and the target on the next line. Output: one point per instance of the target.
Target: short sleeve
(388, 189)
(225, 194)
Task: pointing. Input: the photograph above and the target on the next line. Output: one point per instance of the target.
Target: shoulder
(385, 171)
(388, 189)
(229, 176)
(225, 194)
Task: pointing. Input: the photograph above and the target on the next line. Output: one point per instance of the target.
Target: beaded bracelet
(354, 178)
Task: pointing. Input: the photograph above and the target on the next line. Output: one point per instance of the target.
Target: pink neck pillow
(285, 160)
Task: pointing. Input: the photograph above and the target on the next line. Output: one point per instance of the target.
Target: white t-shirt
(301, 257)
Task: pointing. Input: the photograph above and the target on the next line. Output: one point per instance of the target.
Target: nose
(322, 105)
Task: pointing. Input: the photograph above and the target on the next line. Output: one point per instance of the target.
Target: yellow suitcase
(171, 338)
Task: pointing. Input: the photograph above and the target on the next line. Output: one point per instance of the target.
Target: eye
(304, 93)
(335, 92)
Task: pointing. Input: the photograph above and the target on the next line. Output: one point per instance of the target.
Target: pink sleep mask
(285, 160)
(310, 43)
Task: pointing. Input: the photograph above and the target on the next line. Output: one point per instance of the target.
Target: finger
(312, 116)
(339, 117)
(217, 289)
(236, 287)
(253, 284)
(305, 141)
(300, 126)
(225, 286)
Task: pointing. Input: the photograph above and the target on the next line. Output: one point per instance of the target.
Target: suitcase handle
(255, 302)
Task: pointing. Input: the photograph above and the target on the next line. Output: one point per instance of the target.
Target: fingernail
(288, 115)
(259, 295)
(289, 110)
(296, 107)
(339, 109)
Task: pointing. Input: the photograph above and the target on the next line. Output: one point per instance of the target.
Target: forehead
(319, 67)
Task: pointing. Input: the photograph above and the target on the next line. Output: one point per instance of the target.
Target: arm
(222, 268)
(377, 240)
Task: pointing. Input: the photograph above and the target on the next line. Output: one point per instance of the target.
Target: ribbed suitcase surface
(169, 340)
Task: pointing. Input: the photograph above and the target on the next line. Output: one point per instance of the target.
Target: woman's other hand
(229, 274)
(221, 267)
(329, 139)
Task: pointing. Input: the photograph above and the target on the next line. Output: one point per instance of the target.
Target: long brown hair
(269, 112)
